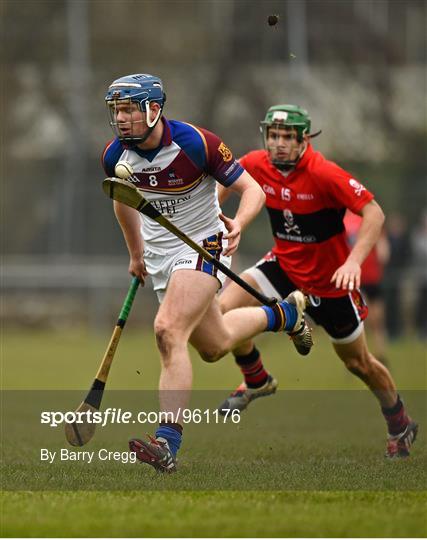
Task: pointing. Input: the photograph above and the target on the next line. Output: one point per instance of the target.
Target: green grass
(307, 462)
(215, 514)
(60, 360)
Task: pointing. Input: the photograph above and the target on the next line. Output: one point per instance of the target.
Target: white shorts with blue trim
(160, 267)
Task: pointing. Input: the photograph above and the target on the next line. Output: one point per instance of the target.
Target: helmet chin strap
(285, 165)
(151, 123)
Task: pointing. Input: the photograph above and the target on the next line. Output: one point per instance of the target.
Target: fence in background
(87, 293)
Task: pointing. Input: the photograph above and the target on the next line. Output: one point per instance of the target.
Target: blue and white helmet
(140, 88)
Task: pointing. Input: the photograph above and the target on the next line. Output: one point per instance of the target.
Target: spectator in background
(400, 253)
(372, 283)
(419, 247)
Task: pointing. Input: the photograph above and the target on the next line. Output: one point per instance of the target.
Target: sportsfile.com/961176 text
(113, 415)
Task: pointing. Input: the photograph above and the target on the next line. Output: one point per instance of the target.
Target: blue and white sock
(172, 433)
(281, 316)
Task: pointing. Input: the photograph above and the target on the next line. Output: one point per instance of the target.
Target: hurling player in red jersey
(306, 199)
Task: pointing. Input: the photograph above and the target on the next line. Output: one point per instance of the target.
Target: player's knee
(163, 340)
(212, 353)
(359, 365)
(166, 336)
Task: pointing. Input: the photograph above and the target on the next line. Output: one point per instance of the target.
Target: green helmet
(289, 116)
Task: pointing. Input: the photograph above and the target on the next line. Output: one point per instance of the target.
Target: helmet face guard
(141, 89)
(286, 117)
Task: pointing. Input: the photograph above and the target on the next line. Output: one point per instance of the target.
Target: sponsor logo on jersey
(133, 179)
(290, 225)
(225, 152)
(230, 168)
(305, 196)
(286, 194)
(168, 207)
(268, 189)
(358, 188)
(151, 169)
(307, 239)
(175, 181)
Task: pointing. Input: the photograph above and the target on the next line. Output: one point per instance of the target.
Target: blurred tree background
(358, 66)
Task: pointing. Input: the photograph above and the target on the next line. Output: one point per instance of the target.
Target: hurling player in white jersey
(176, 166)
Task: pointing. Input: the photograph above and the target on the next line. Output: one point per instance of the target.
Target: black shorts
(341, 317)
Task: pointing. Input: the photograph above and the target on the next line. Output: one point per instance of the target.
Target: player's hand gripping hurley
(126, 193)
(78, 434)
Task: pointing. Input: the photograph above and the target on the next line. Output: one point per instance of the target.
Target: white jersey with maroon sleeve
(179, 179)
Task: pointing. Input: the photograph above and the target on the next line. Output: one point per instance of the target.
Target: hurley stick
(126, 193)
(78, 434)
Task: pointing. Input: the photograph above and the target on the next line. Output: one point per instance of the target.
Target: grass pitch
(284, 471)
(214, 514)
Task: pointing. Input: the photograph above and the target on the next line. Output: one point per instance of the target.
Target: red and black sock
(252, 368)
(396, 417)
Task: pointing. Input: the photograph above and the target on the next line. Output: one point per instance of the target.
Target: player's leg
(234, 297)
(218, 333)
(190, 308)
(189, 300)
(402, 431)
(205, 339)
(267, 277)
(257, 381)
(359, 361)
(343, 318)
(188, 296)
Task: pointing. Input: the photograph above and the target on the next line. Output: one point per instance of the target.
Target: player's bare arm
(130, 223)
(223, 193)
(252, 199)
(348, 275)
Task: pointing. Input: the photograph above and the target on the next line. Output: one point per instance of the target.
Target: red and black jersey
(306, 210)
